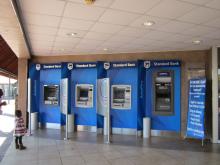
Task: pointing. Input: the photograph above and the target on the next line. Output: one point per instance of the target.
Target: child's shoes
(21, 147)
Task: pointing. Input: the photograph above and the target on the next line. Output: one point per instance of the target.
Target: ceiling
(116, 26)
(10, 30)
(8, 60)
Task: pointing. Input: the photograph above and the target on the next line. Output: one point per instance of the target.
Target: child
(20, 130)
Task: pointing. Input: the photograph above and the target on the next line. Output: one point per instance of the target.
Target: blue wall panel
(126, 76)
(169, 123)
(84, 116)
(49, 113)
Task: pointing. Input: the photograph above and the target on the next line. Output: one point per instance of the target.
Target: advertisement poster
(196, 108)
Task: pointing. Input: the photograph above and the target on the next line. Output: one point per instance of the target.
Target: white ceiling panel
(214, 4)
(171, 9)
(214, 35)
(198, 30)
(97, 36)
(121, 39)
(213, 23)
(67, 40)
(90, 42)
(83, 12)
(158, 35)
(134, 32)
(179, 38)
(140, 6)
(44, 38)
(40, 44)
(41, 30)
(109, 45)
(106, 28)
(200, 15)
(41, 20)
(117, 17)
(175, 26)
(76, 24)
(199, 2)
(49, 7)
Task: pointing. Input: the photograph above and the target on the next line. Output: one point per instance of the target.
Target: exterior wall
(22, 86)
(190, 60)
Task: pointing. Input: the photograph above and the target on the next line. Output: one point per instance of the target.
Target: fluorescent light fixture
(71, 34)
(148, 23)
(196, 42)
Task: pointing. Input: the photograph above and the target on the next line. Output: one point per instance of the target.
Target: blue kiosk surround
(82, 74)
(126, 120)
(163, 122)
(43, 76)
(136, 74)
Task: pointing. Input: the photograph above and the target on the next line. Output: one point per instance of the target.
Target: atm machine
(84, 78)
(125, 84)
(163, 93)
(84, 95)
(51, 94)
(162, 96)
(46, 88)
(121, 97)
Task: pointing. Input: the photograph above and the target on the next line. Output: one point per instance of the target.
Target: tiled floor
(6, 127)
(46, 148)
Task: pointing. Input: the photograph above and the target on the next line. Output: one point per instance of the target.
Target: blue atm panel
(83, 82)
(162, 95)
(49, 109)
(124, 94)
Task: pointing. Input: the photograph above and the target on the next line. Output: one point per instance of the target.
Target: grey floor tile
(49, 161)
(73, 160)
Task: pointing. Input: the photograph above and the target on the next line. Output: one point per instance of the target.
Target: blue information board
(195, 121)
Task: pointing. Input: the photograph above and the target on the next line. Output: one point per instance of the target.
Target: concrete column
(22, 86)
(214, 95)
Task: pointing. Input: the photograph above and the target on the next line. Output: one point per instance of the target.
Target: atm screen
(51, 94)
(119, 94)
(83, 94)
(163, 93)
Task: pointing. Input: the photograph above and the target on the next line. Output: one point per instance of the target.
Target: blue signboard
(195, 121)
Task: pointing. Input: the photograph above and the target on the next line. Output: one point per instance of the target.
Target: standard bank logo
(38, 66)
(70, 66)
(146, 64)
(106, 65)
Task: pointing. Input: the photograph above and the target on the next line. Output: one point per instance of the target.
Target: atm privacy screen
(163, 93)
(51, 94)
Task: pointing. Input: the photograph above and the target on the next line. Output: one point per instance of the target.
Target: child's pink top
(20, 129)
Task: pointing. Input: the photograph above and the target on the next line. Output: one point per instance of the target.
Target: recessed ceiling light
(196, 42)
(148, 23)
(89, 2)
(105, 49)
(71, 34)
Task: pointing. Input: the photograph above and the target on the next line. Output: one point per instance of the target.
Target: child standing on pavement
(19, 131)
